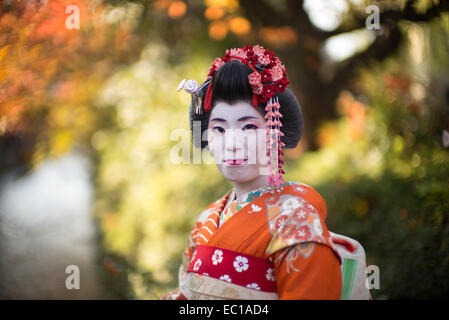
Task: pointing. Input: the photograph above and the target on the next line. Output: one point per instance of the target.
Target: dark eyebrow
(241, 119)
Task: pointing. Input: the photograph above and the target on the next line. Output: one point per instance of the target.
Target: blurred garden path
(45, 225)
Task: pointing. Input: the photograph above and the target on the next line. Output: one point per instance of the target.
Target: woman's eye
(249, 126)
(219, 129)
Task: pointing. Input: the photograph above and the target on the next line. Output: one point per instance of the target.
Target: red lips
(235, 162)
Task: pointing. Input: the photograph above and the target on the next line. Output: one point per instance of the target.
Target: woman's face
(236, 138)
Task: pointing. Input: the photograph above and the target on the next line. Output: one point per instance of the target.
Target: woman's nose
(233, 140)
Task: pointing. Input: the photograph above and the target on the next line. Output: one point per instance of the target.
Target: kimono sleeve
(307, 271)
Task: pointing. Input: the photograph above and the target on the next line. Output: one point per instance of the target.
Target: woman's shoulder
(206, 221)
(305, 193)
(296, 215)
(214, 208)
(302, 188)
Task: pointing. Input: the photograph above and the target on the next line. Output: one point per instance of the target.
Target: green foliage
(389, 188)
(381, 169)
(147, 203)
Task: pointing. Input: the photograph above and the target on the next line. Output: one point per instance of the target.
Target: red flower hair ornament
(268, 78)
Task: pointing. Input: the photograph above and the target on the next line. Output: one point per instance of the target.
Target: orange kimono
(275, 246)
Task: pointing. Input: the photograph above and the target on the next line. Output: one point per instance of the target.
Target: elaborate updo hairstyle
(231, 84)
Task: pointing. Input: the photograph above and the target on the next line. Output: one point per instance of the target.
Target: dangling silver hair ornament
(191, 86)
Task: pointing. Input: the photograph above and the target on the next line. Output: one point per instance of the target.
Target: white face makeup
(236, 138)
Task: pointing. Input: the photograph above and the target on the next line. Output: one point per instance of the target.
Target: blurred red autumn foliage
(47, 83)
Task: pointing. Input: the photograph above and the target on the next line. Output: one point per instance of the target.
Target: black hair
(230, 84)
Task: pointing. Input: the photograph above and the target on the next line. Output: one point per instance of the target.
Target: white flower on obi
(299, 188)
(254, 286)
(241, 264)
(225, 278)
(317, 227)
(197, 265)
(217, 257)
(270, 274)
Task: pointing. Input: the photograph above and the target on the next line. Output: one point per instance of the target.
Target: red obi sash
(234, 267)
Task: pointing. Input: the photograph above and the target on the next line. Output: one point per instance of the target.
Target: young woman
(265, 238)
